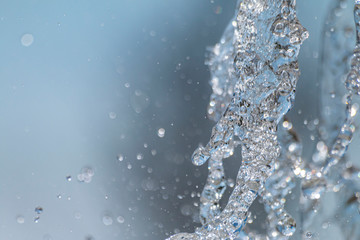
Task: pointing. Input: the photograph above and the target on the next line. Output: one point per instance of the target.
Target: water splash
(263, 43)
(254, 74)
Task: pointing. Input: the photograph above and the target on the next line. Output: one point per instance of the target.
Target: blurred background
(101, 106)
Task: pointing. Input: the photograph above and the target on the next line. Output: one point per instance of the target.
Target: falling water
(254, 72)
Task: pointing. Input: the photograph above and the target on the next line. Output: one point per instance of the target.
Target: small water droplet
(120, 157)
(161, 132)
(20, 219)
(27, 39)
(139, 156)
(85, 175)
(38, 210)
(107, 220)
(120, 219)
(112, 115)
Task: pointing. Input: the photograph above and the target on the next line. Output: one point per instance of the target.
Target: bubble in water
(36, 219)
(20, 219)
(107, 220)
(27, 39)
(161, 132)
(68, 178)
(308, 235)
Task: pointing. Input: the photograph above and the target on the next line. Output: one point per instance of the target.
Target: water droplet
(107, 220)
(27, 39)
(112, 115)
(38, 210)
(85, 175)
(120, 219)
(161, 132)
(120, 157)
(139, 156)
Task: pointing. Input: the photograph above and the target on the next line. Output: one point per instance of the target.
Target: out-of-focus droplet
(287, 227)
(27, 39)
(120, 157)
(20, 219)
(139, 101)
(85, 175)
(161, 132)
(120, 219)
(107, 220)
(112, 115)
(313, 188)
(139, 156)
(38, 210)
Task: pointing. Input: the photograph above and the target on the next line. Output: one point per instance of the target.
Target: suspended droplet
(161, 132)
(38, 210)
(27, 39)
(20, 219)
(107, 220)
(120, 219)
